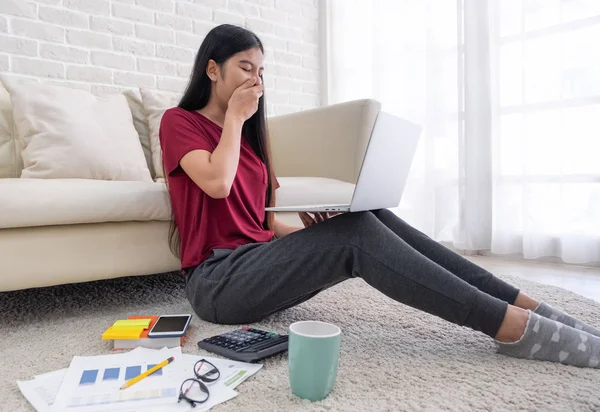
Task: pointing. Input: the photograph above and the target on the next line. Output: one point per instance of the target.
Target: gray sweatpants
(253, 281)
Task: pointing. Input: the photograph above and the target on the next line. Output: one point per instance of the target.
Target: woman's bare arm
(214, 172)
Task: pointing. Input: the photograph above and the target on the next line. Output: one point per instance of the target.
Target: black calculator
(246, 344)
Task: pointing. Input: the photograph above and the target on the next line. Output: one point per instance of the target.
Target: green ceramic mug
(313, 357)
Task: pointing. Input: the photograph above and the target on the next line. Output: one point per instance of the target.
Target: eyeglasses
(194, 390)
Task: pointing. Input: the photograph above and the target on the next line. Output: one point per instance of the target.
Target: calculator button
(271, 342)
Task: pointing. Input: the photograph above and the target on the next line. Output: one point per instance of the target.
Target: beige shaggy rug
(393, 358)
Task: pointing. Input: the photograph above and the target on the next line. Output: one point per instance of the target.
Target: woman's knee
(387, 215)
(390, 219)
(361, 225)
(362, 218)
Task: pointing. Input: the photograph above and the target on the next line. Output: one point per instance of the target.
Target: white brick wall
(106, 46)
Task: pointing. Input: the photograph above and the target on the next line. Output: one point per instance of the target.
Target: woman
(242, 265)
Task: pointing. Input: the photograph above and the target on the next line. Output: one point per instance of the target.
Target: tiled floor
(582, 280)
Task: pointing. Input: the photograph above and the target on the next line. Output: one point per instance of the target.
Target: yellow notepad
(123, 333)
(128, 323)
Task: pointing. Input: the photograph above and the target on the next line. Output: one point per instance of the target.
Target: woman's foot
(546, 339)
(552, 313)
(547, 311)
(513, 325)
(525, 302)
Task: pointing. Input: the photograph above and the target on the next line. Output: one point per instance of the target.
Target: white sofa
(73, 229)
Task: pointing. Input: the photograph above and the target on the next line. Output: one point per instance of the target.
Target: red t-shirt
(205, 223)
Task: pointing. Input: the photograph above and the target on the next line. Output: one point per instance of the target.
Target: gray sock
(549, 340)
(552, 313)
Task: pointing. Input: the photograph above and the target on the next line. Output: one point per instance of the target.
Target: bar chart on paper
(109, 379)
(93, 382)
(90, 376)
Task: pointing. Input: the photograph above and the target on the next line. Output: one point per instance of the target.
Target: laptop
(383, 172)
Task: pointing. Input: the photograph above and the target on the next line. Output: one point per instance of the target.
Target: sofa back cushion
(134, 99)
(155, 105)
(11, 161)
(71, 133)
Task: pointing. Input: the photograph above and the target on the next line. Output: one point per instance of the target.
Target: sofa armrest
(327, 141)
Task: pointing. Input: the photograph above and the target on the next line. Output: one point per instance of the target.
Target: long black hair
(220, 44)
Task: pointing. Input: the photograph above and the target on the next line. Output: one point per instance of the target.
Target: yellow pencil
(148, 372)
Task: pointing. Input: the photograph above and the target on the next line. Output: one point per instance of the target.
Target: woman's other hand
(317, 217)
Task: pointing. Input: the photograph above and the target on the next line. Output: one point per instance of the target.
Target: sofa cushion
(140, 122)
(11, 162)
(70, 133)
(312, 190)
(41, 202)
(155, 105)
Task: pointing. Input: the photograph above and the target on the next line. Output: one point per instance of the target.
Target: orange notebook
(145, 341)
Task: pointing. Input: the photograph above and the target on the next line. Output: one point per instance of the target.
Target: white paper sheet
(92, 383)
(42, 391)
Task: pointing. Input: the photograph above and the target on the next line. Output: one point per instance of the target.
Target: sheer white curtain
(508, 93)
